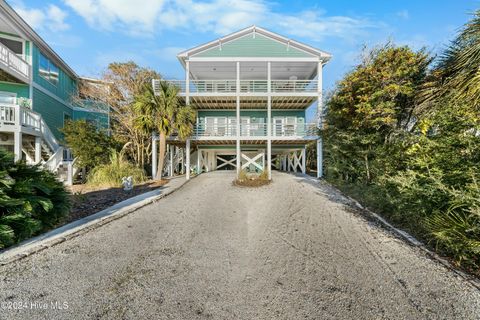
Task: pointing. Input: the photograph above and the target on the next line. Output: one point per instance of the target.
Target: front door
(278, 126)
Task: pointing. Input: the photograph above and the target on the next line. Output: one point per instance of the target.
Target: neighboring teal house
(250, 89)
(36, 89)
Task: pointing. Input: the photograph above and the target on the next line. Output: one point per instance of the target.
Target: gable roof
(26, 31)
(295, 48)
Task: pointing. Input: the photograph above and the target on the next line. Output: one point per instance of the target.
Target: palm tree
(457, 75)
(164, 114)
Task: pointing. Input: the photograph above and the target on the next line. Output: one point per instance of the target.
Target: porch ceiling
(249, 102)
(252, 70)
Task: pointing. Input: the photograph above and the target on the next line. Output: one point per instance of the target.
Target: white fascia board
(252, 59)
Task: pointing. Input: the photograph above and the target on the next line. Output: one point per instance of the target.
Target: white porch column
(239, 160)
(17, 145)
(199, 168)
(304, 160)
(38, 150)
(69, 181)
(319, 158)
(171, 149)
(289, 162)
(320, 120)
(187, 159)
(154, 156)
(269, 120)
(187, 82)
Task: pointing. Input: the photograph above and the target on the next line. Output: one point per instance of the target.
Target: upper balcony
(14, 65)
(247, 87)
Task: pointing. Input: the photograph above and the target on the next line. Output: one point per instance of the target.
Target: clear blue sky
(88, 34)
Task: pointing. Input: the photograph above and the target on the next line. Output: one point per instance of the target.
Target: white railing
(294, 85)
(55, 160)
(255, 130)
(8, 115)
(247, 86)
(15, 65)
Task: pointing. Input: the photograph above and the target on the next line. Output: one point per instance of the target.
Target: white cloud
(50, 18)
(317, 26)
(404, 14)
(134, 16)
(218, 16)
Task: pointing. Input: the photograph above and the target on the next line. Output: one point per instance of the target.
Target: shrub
(88, 144)
(31, 200)
(111, 174)
(247, 179)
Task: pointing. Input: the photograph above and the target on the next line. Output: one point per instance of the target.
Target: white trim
(251, 59)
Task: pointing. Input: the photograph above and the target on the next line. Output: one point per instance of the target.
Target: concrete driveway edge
(81, 226)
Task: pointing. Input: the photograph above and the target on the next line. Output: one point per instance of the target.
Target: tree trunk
(367, 168)
(162, 146)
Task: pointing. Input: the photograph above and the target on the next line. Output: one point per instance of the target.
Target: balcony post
(304, 160)
(187, 159)
(239, 163)
(38, 150)
(187, 82)
(17, 145)
(320, 121)
(269, 120)
(319, 158)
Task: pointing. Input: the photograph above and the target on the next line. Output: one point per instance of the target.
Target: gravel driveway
(290, 250)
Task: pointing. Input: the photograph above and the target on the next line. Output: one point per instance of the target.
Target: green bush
(87, 143)
(111, 174)
(31, 200)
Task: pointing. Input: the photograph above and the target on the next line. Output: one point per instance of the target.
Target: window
(48, 70)
(15, 46)
(8, 97)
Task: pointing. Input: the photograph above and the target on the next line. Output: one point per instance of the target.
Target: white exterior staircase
(37, 141)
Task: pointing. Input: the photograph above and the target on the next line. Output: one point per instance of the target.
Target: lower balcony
(257, 131)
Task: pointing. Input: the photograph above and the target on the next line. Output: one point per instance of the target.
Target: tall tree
(164, 114)
(117, 89)
(371, 106)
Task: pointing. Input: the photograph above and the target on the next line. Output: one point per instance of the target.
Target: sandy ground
(289, 250)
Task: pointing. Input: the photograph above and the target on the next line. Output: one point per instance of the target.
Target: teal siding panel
(256, 116)
(249, 46)
(22, 90)
(66, 85)
(51, 110)
(100, 118)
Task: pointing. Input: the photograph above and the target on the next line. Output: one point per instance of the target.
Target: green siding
(51, 110)
(66, 85)
(22, 90)
(248, 46)
(99, 117)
